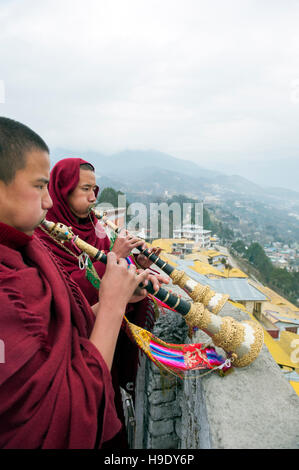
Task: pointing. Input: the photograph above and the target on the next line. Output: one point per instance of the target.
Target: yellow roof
(206, 269)
(295, 386)
(197, 256)
(277, 303)
(166, 243)
(234, 272)
(275, 349)
(268, 315)
(164, 255)
(269, 308)
(168, 259)
(289, 342)
(277, 299)
(182, 240)
(213, 253)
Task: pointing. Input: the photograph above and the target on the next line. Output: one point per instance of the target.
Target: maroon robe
(55, 387)
(63, 180)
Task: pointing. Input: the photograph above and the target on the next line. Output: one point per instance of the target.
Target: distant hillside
(275, 173)
(252, 211)
(128, 161)
(154, 172)
(283, 193)
(136, 160)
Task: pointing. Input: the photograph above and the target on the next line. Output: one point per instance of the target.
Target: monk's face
(25, 200)
(84, 195)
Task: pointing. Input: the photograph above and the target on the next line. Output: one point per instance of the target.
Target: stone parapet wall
(158, 406)
(252, 407)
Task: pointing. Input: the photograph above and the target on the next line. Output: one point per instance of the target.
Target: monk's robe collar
(13, 238)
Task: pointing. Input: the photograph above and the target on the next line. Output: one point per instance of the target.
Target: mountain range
(157, 173)
(253, 211)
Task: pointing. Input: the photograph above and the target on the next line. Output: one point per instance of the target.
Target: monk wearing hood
(55, 383)
(73, 190)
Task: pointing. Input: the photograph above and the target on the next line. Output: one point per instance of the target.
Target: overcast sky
(215, 82)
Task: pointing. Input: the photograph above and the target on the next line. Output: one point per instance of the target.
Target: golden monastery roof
(275, 349)
(289, 342)
(234, 272)
(182, 241)
(199, 258)
(166, 243)
(168, 259)
(213, 253)
(206, 269)
(276, 303)
(280, 356)
(295, 386)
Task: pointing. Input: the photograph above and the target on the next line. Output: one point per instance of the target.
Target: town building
(194, 232)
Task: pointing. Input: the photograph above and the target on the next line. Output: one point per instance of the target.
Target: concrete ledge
(252, 408)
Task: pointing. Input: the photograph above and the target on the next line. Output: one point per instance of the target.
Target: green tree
(239, 246)
(257, 256)
(110, 196)
(284, 282)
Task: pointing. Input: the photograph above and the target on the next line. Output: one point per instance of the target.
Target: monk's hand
(145, 262)
(156, 279)
(125, 244)
(120, 282)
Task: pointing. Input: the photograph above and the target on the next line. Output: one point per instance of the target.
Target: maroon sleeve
(56, 395)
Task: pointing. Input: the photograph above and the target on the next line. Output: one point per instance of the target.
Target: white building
(194, 232)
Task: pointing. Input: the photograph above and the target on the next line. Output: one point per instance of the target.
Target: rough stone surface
(162, 427)
(170, 441)
(252, 408)
(157, 397)
(159, 416)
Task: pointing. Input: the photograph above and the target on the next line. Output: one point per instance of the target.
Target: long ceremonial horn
(198, 293)
(241, 340)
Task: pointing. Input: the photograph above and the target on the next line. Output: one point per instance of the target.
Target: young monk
(73, 190)
(55, 385)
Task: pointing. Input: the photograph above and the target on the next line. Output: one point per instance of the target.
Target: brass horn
(199, 293)
(242, 341)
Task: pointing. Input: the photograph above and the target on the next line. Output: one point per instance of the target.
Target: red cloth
(55, 388)
(63, 180)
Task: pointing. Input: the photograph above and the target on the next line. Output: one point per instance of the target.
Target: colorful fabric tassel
(186, 356)
(176, 358)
